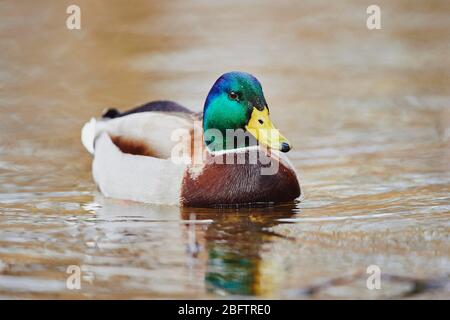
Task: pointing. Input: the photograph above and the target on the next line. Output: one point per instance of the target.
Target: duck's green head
(236, 101)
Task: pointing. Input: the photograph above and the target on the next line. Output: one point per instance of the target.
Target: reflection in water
(224, 249)
(235, 242)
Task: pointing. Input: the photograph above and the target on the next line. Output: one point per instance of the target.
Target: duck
(163, 153)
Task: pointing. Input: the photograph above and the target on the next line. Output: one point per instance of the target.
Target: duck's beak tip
(285, 147)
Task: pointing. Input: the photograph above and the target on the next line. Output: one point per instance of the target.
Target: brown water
(368, 113)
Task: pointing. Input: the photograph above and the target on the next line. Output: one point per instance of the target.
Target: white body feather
(136, 177)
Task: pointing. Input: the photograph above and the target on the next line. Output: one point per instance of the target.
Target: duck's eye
(233, 95)
(260, 121)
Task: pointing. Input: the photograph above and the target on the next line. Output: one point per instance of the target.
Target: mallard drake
(163, 153)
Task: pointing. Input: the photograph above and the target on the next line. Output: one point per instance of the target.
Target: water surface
(368, 113)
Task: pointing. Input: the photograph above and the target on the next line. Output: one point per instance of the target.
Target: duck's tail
(111, 113)
(88, 134)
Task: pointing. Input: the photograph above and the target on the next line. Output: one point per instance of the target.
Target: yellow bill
(265, 132)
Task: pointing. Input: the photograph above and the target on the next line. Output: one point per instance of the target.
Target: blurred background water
(368, 113)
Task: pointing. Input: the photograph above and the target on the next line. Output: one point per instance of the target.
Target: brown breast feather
(230, 184)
